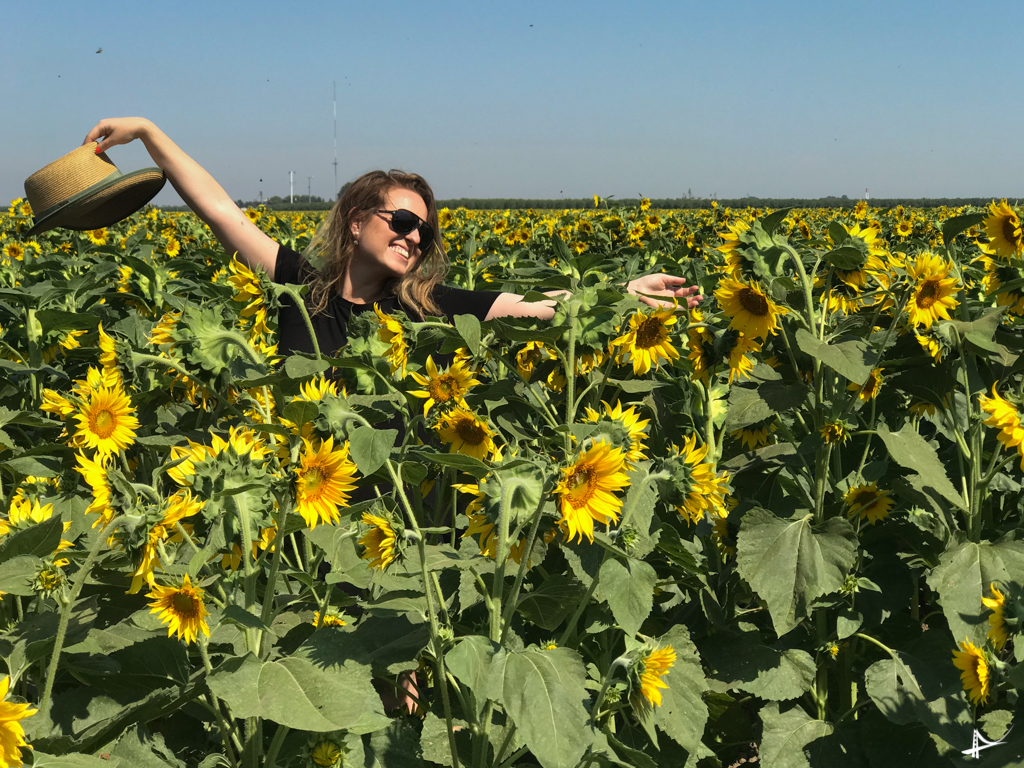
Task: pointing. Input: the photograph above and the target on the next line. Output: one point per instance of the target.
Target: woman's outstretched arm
(197, 188)
(647, 288)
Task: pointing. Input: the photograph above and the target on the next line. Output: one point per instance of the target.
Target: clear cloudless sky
(533, 98)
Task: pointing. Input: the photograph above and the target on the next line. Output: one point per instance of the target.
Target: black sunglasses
(403, 222)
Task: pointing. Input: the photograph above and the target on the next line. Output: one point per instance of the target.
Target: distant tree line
(315, 203)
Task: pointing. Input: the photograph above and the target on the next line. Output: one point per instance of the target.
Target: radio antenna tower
(335, 137)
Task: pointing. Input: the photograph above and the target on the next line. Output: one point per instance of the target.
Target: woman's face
(380, 244)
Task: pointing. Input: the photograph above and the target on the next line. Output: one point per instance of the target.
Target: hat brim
(105, 205)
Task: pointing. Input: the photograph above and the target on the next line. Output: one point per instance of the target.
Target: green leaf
(628, 588)
(963, 576)
(324, 686)
(954, 226)
(41, 539)
(683, 713)
(397, 746)
(846, 257)
(549, 604)
(436, 745)
(371, 447)
(18, 574)
(771, 222)
(297, 366)
(787, 735)
(922, 685)
(458, 461)
(745, 408)
(743, 662)
(853, 359)
(468, 327)
(790, 563)
(301, 412)
(910, 450)
(236, 614)
(542, 691)
(43, 760)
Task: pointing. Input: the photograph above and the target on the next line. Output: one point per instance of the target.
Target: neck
(362, 285)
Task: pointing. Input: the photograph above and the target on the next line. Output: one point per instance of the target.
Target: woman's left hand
(670, 286)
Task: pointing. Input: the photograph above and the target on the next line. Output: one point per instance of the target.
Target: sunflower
(932, 295)
(932, 346)
(95, 474)
(870, 388)
(530, 356)
(652, 668)
(647, 341)
(587, 490)
(867, 502)
(835, 432)
(332, 618)
(57, 404)
(181, 608)
(326, 754)
(391, 332)
(379, 542)
(997, 627)
(314, 390)
(1003, 228)
(12, 735)
(740, 363)
(1004, 416)
(756, 435)
(904, 229)
(108, 351)
(701, 343)
(249, 291)
(467, 434)
(487, 536)
(629, 420)
(14, 251)
(325, 479)
(97, 236)
(450, 386)
(751, 311)
(697, 488)
(974, 671)
(174, 509)
(106, 422)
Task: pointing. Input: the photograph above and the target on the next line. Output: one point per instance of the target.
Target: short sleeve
(288, 267)
(458, 301)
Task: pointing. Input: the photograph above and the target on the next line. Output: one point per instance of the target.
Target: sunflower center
(103, 423)
(928, 294)
(864, 499)
(471, 432)
(649, 333)
(754, 302)
(581, 484)
(185, 604)
(314, 480)
(443, 388)
(1010, 231)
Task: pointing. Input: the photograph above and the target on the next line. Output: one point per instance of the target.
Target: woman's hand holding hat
(118, 130)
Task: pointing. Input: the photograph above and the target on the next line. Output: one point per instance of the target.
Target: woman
(381, 244)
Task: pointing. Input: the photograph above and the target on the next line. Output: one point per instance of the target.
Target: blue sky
(771, 99)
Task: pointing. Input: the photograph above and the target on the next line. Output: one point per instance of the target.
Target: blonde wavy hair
(333, 244)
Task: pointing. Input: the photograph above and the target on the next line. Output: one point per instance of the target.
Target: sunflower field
(785, 526)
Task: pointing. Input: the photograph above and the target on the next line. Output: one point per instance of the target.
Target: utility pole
(309, 189)
(335, 137)
(291, 186)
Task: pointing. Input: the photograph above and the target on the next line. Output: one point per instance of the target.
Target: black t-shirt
(331, 325)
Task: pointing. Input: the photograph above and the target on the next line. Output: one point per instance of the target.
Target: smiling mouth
(401, 251)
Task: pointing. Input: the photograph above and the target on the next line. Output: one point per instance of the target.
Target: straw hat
(83, 190)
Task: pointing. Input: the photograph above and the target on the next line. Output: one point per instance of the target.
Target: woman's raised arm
(198, 189)
(646, 288)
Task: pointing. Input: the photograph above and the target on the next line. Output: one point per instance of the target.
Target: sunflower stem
(65, 611)
(570, 367)
(507, 492)
(524, 564)
(300, 304)
(441, 675)
(275, 745)
(275, 567)
(252, 636)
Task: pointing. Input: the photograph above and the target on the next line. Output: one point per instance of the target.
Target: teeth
(401, 250)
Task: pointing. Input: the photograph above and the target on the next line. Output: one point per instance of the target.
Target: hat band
(57, 207)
